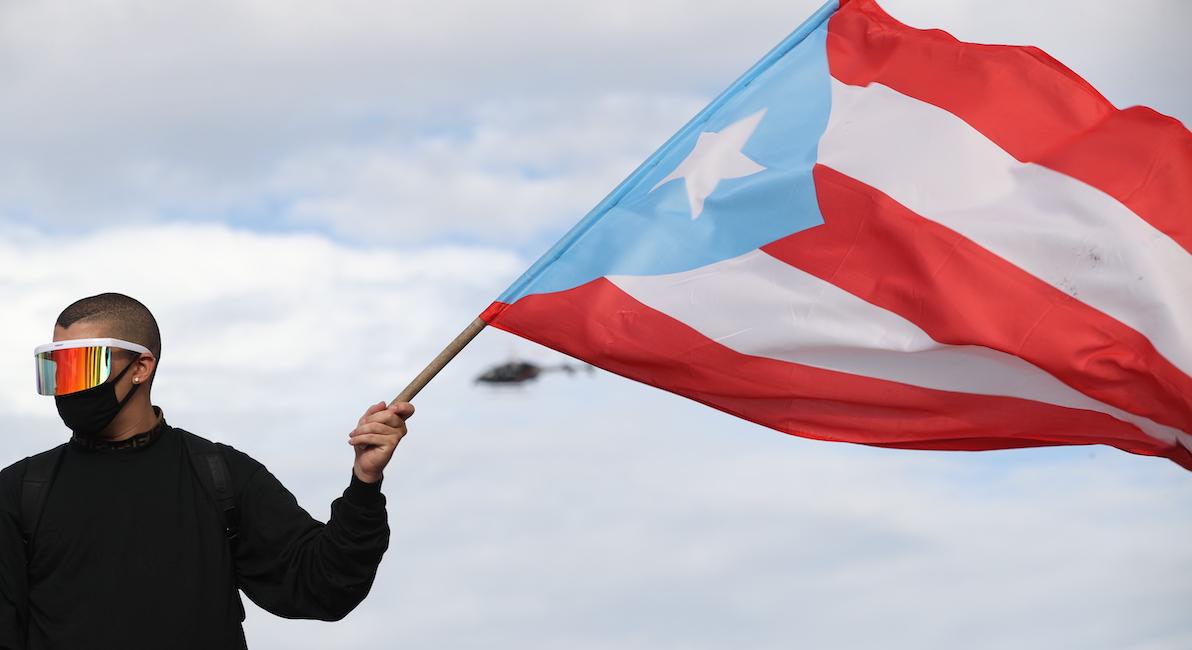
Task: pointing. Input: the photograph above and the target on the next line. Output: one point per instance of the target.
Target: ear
(143, 367)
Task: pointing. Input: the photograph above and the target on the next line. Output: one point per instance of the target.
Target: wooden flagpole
(439, 362)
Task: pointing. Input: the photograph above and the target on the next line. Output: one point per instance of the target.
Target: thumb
(375, 408)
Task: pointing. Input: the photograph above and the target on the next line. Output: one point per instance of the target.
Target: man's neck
(136, 417)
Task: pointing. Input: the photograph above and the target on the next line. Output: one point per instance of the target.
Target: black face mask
(90, 411)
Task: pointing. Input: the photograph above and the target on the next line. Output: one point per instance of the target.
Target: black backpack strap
(40, 471)
(212, 469)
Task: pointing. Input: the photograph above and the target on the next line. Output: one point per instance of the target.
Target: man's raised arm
(296, 567)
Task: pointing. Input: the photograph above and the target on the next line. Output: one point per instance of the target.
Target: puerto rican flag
(882, 235)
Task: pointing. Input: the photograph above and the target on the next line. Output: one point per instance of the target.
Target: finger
(379, 428)
(384, 416)
(374, 440)
(375, 408)
(404, 410)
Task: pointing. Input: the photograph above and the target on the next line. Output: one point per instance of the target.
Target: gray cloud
(358, 115)
(507, 179)
(1134, 54)
(128, 112)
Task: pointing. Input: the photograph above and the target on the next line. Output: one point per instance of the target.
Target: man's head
(109, 315)
(99, 410)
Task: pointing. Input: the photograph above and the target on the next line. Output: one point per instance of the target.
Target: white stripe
(758, 305)
(1067, 233)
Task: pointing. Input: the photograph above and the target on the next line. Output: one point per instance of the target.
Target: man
(132, 547)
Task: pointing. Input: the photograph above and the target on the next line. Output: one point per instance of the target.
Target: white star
(716, 156)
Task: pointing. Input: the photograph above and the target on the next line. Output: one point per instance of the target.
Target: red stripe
(1030, 105)
(960, 293)
(601, 324)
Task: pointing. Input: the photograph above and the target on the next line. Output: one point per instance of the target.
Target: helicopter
(517, 372)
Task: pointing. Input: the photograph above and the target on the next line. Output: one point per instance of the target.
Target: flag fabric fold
(883, 235)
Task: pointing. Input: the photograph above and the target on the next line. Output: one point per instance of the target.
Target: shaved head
(123, 317)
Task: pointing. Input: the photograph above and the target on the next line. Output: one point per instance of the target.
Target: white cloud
(589, 511)
(268, 310)
(670, 526)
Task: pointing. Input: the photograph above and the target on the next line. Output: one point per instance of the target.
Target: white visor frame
(87, 343)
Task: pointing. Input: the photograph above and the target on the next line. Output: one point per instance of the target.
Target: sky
(313, 199)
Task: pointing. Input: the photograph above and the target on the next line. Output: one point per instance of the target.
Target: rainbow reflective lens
(65, 367)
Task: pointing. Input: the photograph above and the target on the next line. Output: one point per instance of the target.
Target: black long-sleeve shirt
(130, 552)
